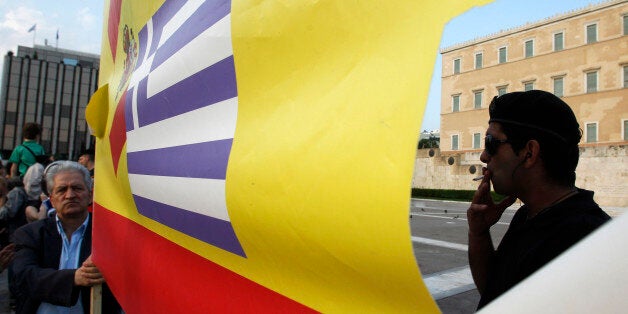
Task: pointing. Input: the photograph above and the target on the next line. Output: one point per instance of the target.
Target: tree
(431, 142)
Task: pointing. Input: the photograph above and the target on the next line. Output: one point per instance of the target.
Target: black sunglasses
(491, 144)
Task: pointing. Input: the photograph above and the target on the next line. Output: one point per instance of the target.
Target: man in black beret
(531, 153)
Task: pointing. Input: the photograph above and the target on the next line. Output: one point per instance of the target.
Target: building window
(503, 55)
(558, 86)
(529, 48)
(502, 90)
(625, 76)
(454, 142)
(456, 66)
(476, 140)
(66, 111)
(477, 99)
(591, 132)
(455, 103)
(625, 127)
(625, 17)
(527, 86)
(591, 81)
(69, 61)
(591, 33)
(478, 60)
(558, 42)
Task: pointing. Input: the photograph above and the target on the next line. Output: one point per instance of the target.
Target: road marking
(450, 282)
(445, 244)
(449, 217)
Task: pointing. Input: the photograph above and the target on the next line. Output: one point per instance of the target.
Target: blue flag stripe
(204, 160)
(214, 84)
(207, 15)
(211, 230)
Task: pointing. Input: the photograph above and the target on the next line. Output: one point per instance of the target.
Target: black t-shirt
(530, 244)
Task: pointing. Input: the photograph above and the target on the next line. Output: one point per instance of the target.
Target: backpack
(44, 160)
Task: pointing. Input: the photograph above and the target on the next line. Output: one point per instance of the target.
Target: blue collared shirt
(69, 260)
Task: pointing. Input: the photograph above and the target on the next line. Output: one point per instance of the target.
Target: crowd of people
(45, 231)
(531, 153)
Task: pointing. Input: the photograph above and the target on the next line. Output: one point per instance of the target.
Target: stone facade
(581, 56)
(590, 76)
(602, 169)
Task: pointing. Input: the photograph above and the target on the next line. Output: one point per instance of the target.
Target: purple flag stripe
(142, 39)
(207, 15)
(214, 231)
(161, 18)
(203, 160)
(128, 110)
(211, 85)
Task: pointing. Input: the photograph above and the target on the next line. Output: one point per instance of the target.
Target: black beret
(539, 110)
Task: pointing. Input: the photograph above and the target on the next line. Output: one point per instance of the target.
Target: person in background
(3, 170)
(531, 153)
(33, 187)
(45, 209)
(26, 154)
(52, 266)
(13, 209)
(87, 160)
(4, 231)
(24, 193)
(6, 256)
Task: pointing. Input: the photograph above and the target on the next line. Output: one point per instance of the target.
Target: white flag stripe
(179, 18)
(144, 68)
(136, 123)
(210, 123)
(211, 46)
(202, 196)
(149, 40)
(140, 73)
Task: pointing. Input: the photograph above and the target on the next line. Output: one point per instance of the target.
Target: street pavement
(439, 237)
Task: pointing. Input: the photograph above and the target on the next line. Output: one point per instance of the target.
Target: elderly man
(52, 266)
(531, 153)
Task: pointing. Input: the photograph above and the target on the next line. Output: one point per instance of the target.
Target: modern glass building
(52, 87)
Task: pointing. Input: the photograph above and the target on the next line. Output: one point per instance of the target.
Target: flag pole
(34, 30)
(96, 299)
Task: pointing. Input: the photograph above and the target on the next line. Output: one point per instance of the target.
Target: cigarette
(478, 178)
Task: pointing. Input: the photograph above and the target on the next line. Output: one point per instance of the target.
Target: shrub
(454, 195)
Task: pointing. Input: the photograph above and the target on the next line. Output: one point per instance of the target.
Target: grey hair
(65, 165)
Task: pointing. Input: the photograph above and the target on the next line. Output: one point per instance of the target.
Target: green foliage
(431, 142)
(453, 195)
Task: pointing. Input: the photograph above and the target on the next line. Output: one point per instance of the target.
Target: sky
(79, 25)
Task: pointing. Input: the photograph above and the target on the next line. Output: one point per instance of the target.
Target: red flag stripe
(117, 136)
(140, 264)
(112, 25)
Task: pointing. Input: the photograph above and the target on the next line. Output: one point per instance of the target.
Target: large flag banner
(256, 156)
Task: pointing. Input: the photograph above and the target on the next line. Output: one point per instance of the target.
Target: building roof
(531, 25)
